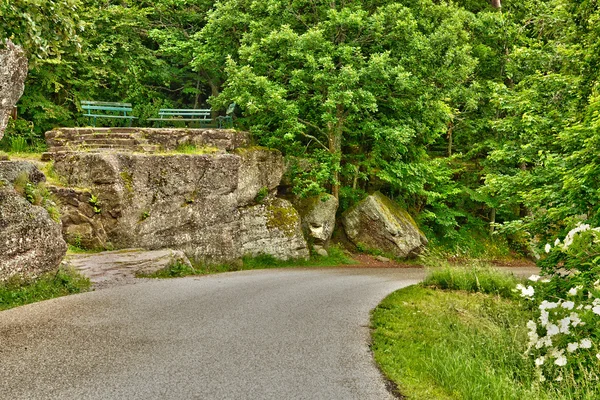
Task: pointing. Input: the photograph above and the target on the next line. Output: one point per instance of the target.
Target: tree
(363, 87)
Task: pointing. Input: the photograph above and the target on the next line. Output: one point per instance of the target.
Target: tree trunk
(450, 127)
(492, 219)
(335, 147)
(496, 4)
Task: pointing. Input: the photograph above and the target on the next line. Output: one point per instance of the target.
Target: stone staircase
(92, 141)
(62, 141)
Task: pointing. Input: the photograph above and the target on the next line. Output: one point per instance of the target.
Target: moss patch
(282, 216)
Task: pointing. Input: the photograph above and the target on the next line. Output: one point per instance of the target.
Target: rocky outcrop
(200, 204)
(318, 217)
(30, 241)
(377, 223)
(13, 70)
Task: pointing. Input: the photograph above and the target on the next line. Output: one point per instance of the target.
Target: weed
(263, 192)
(145, 215)
(95, 203)
(37, 194)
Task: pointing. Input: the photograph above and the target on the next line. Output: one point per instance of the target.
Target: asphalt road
(270, 334)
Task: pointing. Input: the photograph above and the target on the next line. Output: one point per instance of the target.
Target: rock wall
(30, 240)
(13, 70)
(201, 204)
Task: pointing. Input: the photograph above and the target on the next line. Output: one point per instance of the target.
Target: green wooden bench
(226, 121)
(105, 109)
(200, 115)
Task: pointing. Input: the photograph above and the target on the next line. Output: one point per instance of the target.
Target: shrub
(564, 335)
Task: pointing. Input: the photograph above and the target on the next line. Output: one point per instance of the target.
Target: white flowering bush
(564, 335)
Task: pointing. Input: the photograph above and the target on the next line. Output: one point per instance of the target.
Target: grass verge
(335, 257)
(436, 344)
(19, 291)
(462, 334)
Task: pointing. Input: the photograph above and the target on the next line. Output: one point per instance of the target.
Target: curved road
(269, 334)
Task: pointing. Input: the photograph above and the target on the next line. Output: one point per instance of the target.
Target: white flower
(575, 320)
(557, 242)
(547, 248)
(596, 310)
(558, 378)
(588, 307)
(547, 305)
(596, 302)
(545, 280)
(571, 347)
(571, 235)
(573, 291)
(534, 278)
(561, 361)
(526, 291)
(544, 318)
(540, 361)
(568, 305)
(552, 330)
(531, 325)
(598, 356)
(585, 344)
(545, 341)
(564, 325)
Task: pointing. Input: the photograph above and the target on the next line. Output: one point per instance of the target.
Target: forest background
(483, 121)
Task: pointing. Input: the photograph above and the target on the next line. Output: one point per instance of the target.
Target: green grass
(437, 344)
(19, 291)
(335, 257)
(473, 279)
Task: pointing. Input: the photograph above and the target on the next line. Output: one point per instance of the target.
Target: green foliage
(17, 291)
(43, 28)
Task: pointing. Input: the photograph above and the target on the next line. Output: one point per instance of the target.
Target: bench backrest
(174, 112)
(105, 106)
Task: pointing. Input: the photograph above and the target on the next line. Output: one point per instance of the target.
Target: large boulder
(318, 217)
(378, 223)
(13, 70)
(200, 204)
(273, 228)
(31, 241)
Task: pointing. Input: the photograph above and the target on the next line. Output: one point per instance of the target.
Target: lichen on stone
(283, 217)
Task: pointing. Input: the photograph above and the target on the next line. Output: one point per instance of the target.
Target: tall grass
(472, 279)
